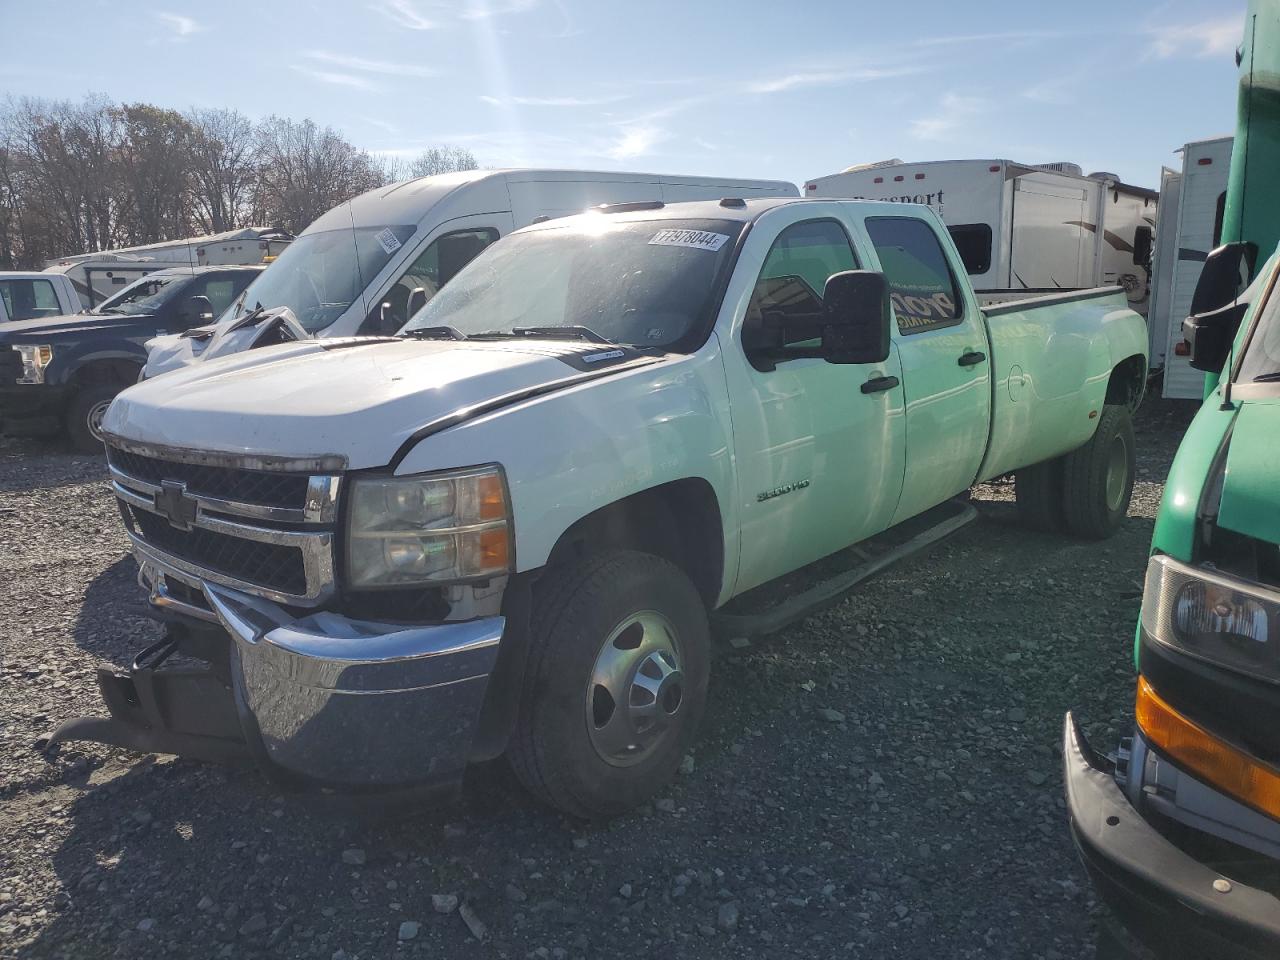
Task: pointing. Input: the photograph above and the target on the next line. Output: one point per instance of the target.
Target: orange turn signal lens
(1203, 754)
(493, 499)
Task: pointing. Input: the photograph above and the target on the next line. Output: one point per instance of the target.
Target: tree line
(95, 174)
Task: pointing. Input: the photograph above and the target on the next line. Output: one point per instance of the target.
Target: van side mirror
(417, 300)
(856, 325)
(1216, 311)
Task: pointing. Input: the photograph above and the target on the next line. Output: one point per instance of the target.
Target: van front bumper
(314, 700)
(1164, 895)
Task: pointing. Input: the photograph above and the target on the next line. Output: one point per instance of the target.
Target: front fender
(67, 363)
(567, 454)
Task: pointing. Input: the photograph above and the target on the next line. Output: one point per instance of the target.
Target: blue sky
(789, 91)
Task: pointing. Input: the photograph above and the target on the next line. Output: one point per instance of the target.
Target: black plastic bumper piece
(1165, 896)
(187, 711)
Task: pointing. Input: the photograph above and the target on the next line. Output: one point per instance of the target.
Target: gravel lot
(880, 781)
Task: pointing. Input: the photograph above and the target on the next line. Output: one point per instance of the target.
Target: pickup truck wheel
(1038, 490)
(615, 683)
(1097, 479)
(85, 413)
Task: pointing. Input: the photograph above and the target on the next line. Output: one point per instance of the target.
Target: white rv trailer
(1019, 226)
(97, 276)
(1190, 226)
(368, 264)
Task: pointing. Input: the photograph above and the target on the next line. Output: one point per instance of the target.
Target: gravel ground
(880, 781)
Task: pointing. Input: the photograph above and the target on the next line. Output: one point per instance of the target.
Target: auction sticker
(697, 239)
(389, 242)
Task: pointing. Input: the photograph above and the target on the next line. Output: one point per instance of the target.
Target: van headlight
(1213, 617)
(35, 357)
(433, 528)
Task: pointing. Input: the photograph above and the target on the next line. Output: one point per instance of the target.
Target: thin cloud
(181, 26)
(1209, 38)
(371, 66)
(483, 10)
(829, 78)
(383, 125)
(549, 101)
(337, 79)
(405, 13)
(955, 110)
(1004, 36)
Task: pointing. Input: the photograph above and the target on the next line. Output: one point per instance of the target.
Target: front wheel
(615, 683)
(1097, 479)
(85, 413)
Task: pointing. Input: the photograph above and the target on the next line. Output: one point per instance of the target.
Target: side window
(433, 268)
(788, 293)
(220, 291)
(28, 299)
(921, 285)
(1219, 212)
(973, 243)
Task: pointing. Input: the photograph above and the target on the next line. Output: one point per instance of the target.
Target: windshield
(321, 274)
(644, 283)
(144, 296)
(1261, 359)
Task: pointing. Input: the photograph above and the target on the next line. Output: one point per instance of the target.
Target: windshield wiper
(433, 333)
(548, 333)
(1271, 377)
(250, 318)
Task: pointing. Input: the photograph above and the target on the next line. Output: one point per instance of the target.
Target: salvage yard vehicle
(1180, 827)
(27, 296)
(369, 264)
(504, 529)
(60, 374)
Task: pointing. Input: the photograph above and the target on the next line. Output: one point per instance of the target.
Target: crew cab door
(942, 346)
(445, 251)
(819, 461)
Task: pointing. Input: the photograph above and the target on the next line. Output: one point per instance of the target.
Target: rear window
(921, 286)
(973, 243)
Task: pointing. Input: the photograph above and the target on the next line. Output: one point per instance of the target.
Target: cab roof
(740, 210)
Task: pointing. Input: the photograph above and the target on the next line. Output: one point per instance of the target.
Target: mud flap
(184, 710)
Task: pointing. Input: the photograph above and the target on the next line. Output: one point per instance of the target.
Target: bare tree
(224, 168)
(444, 159)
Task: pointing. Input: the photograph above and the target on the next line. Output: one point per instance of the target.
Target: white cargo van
(1022, 227)
(369, 264)
(1190, 226)
(97, 276)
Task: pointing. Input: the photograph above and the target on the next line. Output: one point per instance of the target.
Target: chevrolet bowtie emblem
(174, 505)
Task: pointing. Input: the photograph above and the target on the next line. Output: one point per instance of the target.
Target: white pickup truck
(30, 296)
(505, 529)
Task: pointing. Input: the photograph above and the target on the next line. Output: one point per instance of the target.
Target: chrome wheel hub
(1117, 473)
(635, 694)
(95, 417)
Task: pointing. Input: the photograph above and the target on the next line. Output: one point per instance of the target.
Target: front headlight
(35, 357)
(1213, 617)
(429, 529)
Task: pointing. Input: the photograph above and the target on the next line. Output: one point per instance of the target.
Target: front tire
(85, 413)
(1097, 479)
(615, 683)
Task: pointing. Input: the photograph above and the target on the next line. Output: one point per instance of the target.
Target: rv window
(435, 267)
(1142, 245)
(922, 288)
(28, 299)
(973, 241)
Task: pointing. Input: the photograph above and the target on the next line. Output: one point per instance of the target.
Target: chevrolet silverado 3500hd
(504, 528)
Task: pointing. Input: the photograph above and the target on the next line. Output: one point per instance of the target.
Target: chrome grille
(268, 533)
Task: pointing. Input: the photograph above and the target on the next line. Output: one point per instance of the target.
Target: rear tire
(1097, 479)
(1038, 490)
(615, 683)
(85, 413)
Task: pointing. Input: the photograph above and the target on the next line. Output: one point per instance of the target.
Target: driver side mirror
(857, 316)
(199, 311)
(417, 300)
(1215, 310)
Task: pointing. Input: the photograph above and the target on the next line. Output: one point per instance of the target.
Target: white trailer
(97, 276)
(1190, 226)
(1021, 227)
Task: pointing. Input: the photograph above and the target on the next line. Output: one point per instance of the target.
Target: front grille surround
(280, 552)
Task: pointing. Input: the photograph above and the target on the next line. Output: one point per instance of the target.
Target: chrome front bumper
(322, 699)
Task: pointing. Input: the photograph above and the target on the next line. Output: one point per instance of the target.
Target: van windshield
(321, 274)
(648, 283)
(1261, 360)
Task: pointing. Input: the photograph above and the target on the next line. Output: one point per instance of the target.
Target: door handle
(972, 358)
(879, 384)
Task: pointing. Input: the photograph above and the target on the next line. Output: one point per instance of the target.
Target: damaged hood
(356, 398)
(1251, 485)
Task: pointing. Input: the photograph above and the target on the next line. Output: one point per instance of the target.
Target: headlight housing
(35, 357)
(433, 528)
(1213, 617)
